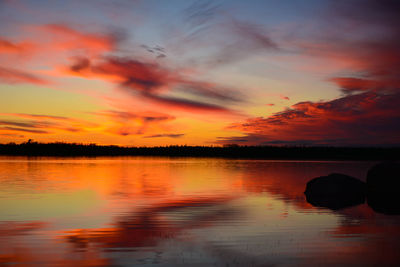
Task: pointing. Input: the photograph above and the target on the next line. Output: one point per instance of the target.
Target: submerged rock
(335, 191)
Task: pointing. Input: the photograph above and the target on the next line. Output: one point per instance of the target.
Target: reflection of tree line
(229, 151)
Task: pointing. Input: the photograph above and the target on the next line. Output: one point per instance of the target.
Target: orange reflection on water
(147, 226)
(115, 211)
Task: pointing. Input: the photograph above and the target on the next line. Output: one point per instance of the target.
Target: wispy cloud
(155, 83)
(35, 116)
(7, 47)
(66, 38)
(43, 124)
(222, 38)
(13, 76)
(164, 135)
(129, 123)
(16, 129)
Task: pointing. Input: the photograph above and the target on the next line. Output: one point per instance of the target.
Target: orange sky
(200, 73)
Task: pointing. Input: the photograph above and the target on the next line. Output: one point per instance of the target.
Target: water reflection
(386, 202)
(146, 227)
(171, 212)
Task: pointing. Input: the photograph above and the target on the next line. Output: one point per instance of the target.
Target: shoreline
(68, 150)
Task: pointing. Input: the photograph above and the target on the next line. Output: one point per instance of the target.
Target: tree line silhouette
(31, 148)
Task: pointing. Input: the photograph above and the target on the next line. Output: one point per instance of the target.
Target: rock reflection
(335, 203)
(386, 203)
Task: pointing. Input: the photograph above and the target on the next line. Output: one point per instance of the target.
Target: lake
(128, 211)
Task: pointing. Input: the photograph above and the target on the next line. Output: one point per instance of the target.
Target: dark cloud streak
(24, 130)
(164, 135)
(153, 82)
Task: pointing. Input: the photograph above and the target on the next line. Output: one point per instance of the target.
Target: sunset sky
(180, 72)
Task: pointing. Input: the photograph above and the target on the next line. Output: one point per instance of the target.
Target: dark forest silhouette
(31, 148)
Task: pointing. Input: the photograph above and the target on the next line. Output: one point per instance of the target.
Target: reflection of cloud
(146, 227)
(380, 239)
(18, 228)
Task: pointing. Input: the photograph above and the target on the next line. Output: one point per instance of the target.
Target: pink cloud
(13, 76)
(367, 118)
(7, 47)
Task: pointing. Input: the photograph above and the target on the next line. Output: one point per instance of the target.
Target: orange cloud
(43, 124)
(92, 55)
(64, 38)
(12, 47)
(47, 44)
(128, 123)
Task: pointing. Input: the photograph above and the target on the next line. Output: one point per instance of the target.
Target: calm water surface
(132, 211)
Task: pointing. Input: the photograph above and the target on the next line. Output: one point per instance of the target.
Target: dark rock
(335, 191)
(384, 178)
(383, 184)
